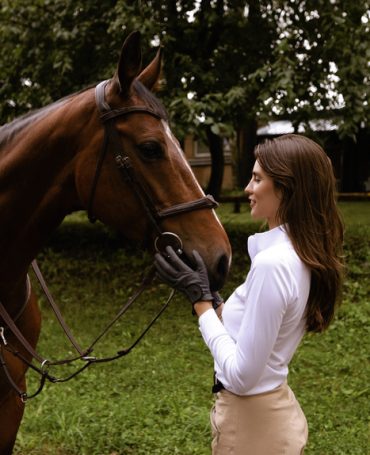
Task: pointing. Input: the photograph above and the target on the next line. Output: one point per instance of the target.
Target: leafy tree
(247, 62)
(211, 47)
(50, 48)
(229, 64)
(319, 63)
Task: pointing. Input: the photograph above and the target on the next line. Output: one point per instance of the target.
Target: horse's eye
(151, 150)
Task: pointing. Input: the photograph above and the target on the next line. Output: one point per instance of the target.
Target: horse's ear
(129, 65)
(150, 75)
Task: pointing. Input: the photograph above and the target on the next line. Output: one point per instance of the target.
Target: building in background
(199, 158)
(351, 160)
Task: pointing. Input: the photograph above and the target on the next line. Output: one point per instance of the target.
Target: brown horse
(48, 169)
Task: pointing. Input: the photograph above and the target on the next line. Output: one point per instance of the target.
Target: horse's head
(143, 184)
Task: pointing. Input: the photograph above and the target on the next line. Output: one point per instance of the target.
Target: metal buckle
(45, 366)
(89, 358)
(168, 239)
(2, 335)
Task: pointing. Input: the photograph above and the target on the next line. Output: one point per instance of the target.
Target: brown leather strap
(206, 202)
(55, 308)
(102, 105)
(8, 320)
(8, 375)
(107, 113)
(128, 110)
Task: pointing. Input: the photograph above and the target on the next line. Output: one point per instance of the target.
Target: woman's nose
(248, 188)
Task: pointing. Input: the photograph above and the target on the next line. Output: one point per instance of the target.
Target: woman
(292, 287)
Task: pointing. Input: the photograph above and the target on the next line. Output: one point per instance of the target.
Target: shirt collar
(263, 240)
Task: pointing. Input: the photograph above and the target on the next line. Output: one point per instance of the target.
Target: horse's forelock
(150, 99)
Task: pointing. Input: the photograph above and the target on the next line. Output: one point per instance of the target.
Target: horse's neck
(15, 295)
(37, 187)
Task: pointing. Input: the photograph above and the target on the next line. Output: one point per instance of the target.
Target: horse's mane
(11, 129)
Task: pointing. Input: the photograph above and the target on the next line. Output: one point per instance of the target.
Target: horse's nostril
(221, 270)
(223, 266)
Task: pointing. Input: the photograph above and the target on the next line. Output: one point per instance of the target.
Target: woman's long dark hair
(303, 174)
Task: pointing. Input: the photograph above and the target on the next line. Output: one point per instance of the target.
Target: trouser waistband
(217, 386)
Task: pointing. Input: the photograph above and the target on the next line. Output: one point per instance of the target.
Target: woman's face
(264, 198)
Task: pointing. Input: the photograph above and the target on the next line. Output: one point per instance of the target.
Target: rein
(83, 355)
(163, 239)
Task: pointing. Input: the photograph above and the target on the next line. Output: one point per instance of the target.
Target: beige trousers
(270, 423)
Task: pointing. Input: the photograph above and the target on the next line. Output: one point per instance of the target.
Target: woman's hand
(193, 283)
(201, 307)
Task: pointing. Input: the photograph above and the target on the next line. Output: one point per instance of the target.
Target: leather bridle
(111, 141)
(163, 239)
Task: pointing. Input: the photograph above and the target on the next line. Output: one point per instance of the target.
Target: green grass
(354, 213)
(157, 399)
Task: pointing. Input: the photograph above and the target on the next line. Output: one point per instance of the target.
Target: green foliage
(314, 69)
(240, 60)
(51, 48)
(157, 399)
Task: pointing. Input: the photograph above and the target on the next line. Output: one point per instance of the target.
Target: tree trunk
(244, 160)
(355, 163)
(215, 144)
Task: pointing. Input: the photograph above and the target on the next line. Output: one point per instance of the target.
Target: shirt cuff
(210, 325)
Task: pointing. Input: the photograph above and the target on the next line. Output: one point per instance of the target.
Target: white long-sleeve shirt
(263, 320)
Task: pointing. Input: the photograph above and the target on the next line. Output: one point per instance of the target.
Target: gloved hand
(173, 271)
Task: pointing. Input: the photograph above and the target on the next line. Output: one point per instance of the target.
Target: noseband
(124, 164)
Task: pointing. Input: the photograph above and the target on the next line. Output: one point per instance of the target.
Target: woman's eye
(151, 150)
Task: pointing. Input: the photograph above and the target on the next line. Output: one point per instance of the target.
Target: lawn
(157, 399)
(354, 213)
